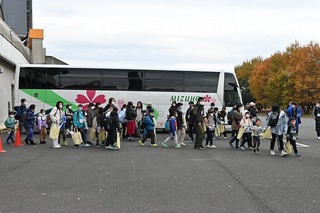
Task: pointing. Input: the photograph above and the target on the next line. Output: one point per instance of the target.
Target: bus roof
(119, 68)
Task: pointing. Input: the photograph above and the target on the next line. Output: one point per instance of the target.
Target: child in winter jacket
(42, 126)
(173, 132)
(10, 124)
(246, 123)
(148, 125)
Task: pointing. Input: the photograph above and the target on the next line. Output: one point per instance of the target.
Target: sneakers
(108, 147)
(141, 143)
(154, 145)
(202, 147)
(283, 153)
(97, 145)
(86, 145)
(242, 148)
(297, 154)
(257, 150)
(319, 138)
(177, 146)
(43, 142)
(164, 145)
(231, 145)
(272, 152)
(182, 144)
(211, 147)
(57, 147)
(65, 143)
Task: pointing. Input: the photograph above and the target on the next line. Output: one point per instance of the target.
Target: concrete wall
(6, 95)
(12, 52)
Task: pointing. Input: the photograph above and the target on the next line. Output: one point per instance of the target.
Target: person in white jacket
(55, 116)
(246, 123)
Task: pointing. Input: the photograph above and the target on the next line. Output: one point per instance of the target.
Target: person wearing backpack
(29, 124)
(10, 124)
(149, 127)
(113, 128)
(278, 121)
(294, 111)
(21, 111)
(172, 132)
(42, 126)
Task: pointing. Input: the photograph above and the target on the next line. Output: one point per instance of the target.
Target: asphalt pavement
(157, 180)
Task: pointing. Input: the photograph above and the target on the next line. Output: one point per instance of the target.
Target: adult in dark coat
(316, 116)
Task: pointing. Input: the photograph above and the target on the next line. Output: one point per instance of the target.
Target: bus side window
(135, 80)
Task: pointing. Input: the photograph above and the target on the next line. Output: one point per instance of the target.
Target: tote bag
(76, 138)
(240, 133)
(54, 132)
(267, 134)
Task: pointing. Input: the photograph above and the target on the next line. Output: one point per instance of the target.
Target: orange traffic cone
(17, 141)
(1, 149)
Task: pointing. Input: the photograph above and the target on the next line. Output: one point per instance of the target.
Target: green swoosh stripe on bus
(44, 95)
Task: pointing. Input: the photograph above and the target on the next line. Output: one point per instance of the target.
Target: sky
(173, 34)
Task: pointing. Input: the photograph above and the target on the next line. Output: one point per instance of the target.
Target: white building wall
(10, 56)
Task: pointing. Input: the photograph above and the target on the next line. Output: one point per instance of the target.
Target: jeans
(209, 137)
(234, 138)
(10, 137)
(149, 134)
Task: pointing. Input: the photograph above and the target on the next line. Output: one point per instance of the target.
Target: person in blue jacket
(294, 111)
(80, 124)
(173, 131)
(149, 128)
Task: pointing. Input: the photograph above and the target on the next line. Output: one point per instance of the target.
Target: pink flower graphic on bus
(81, 99)
(120, 103)
(209, 99)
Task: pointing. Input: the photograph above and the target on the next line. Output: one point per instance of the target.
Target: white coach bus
(44, 85)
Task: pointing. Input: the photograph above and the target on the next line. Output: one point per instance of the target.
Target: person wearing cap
(236, 118)
(252, 109)
(189, 120)
(198, 120)
(295, 112)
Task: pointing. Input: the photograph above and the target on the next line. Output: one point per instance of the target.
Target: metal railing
(12, 37)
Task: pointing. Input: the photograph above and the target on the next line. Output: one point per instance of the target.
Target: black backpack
(106, 121)
(273, 121)
(229, 117)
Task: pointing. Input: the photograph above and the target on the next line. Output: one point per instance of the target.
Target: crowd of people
(102, 126)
